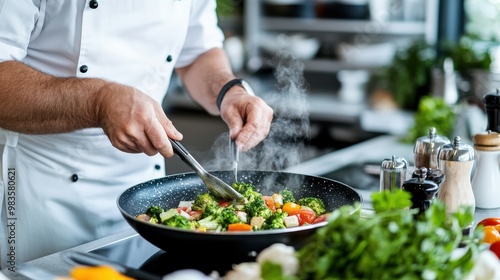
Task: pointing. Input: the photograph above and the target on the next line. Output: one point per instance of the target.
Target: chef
(81, 83)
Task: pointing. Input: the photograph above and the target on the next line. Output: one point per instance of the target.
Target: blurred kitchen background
(352, 70)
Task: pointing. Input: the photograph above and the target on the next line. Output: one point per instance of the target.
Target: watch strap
(228, 86)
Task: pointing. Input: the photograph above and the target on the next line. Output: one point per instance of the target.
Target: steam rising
(290, 127)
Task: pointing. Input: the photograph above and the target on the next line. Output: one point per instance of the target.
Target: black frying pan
(168, 191)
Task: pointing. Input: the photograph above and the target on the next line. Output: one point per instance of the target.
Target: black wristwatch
(235, 82)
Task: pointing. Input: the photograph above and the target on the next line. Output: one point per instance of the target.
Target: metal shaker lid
(487, 141)
(430, 144)
(456, 151)
(395, 164)
(492, 99)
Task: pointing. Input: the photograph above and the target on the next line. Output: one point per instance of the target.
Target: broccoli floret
(287, 196)
(264, 213)
(227, 216)
(316, 204)
(223, 216)
(211, 210)
(251, 196)
(275, 221)
(202, 200)
(178, 221)
(243, 188)
(247, 191)
(154, 212)
(258, 208)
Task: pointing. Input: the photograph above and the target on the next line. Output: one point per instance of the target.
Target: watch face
(247, 87)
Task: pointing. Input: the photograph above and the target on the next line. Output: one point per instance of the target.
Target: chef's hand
(134, 122)
(248, 117)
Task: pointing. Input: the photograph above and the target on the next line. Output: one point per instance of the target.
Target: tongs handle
(235, 158)
(218, 187)
(235, 152)
(183, 153)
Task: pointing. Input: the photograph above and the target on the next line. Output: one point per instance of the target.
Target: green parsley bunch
(393, 243)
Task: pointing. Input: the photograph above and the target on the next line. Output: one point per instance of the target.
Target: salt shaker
(486, 179)
(393, 173)
(456, 161)
(422, 190)
(491, 103)
(426, 148)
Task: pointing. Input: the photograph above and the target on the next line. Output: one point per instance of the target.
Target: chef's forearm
(34, 102)
(205, 77)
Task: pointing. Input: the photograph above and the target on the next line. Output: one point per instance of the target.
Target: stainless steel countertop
(56, 265)
(375, 150)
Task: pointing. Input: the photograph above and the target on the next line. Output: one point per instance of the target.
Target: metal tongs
(218, 187)
(235, 157)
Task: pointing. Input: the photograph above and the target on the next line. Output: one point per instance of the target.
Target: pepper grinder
(426, 148)
(486, 179)
(492, 106)
(456, 160)
(422, 191)
(393, 173)
(435, 175)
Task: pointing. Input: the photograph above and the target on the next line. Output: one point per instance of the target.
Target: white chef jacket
(59, 190)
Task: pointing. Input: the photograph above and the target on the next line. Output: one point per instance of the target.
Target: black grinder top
(492, 106)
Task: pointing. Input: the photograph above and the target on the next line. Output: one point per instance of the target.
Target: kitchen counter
(55, 263)
(373, 150)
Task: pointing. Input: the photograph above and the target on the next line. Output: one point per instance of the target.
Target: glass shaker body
(393, 173)
(426, 148)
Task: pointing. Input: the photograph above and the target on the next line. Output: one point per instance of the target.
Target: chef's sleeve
(203, 32)
(18, 22)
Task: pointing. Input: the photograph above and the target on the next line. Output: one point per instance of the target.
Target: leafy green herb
(432, 112)
(408, 77)
(392, 244)
(466, 56)
(385, 201)
(273, 271)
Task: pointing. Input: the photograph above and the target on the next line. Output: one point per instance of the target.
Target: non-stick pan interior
(168, 191)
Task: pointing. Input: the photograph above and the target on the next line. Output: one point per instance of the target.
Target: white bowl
(300, 45)
(367, 54)
(304, 47)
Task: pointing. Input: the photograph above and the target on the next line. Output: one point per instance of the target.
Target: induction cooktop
(137, 252)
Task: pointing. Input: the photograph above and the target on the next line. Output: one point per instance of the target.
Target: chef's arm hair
(204, 78)
(34, 102)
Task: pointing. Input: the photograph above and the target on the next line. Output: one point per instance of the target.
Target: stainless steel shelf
(256, 24)
(325, 65)
(343, 26)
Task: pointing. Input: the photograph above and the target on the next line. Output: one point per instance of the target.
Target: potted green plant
(408, 77)
(473, 63)
(431, 112)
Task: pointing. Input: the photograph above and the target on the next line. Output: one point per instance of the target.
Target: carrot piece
(239, 227)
